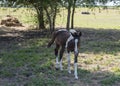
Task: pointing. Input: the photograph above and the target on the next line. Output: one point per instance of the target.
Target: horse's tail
(52, 40)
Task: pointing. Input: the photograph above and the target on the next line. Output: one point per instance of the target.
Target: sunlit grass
(107, 19)
(25, 15)
(28, 62)
(37, 63)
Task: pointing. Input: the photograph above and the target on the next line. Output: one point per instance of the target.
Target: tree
(70, 5)
(73, 12)
(40, 14)
(51, 7)
(41, 6)
(29, 3)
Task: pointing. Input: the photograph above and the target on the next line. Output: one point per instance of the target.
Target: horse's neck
(69, 39)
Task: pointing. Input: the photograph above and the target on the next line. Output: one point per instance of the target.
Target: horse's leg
(61, 55)
(75, 66)
(56, 54)
(75, 58)
(69, 61)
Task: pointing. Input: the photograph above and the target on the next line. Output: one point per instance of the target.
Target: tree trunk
(49, 19)
(40, 16)
(73, 12)
(41, 19)
(68, 17)
(54, 17)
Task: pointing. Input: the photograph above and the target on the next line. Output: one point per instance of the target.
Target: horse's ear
(80, 33)
(74, 34)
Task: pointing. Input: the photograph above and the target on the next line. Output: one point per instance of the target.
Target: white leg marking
(57, 63)
(69, 61)
(76, 49)
(75, 70)
(61, 67)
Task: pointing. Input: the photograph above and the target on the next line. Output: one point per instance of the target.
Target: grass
(32, 62)
(106, 19)
(25, 15)
(25, 60)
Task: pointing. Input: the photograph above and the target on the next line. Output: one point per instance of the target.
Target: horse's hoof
(69, 72)
(76, 78)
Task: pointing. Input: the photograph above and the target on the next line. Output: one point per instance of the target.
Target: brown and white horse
(69, 41)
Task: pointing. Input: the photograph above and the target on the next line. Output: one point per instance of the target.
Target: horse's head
(76, 36)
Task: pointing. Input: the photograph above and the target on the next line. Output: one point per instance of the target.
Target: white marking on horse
(57, 62)
(75, 64)
(61, 67)
(69, 39)
(62, 30)
(69, 61)
(72, 31)
(76, 49)
(75, 70)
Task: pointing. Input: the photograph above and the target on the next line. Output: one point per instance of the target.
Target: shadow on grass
(99, 78)
(24, 60)
(101, 40)
(92, 40)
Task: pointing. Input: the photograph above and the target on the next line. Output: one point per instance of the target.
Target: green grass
(97, 19)
(25, 15)
(104, 19)
(27, 61)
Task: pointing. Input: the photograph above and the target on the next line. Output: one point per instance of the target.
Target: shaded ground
(25, 60)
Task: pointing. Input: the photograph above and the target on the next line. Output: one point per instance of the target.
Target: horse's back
(61, 37)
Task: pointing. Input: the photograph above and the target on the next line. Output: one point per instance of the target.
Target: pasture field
(25, 60)
(107, 19)
(96, 19)
(25, 15)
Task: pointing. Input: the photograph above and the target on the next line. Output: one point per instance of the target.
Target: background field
(25, 60)
(107, 19)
